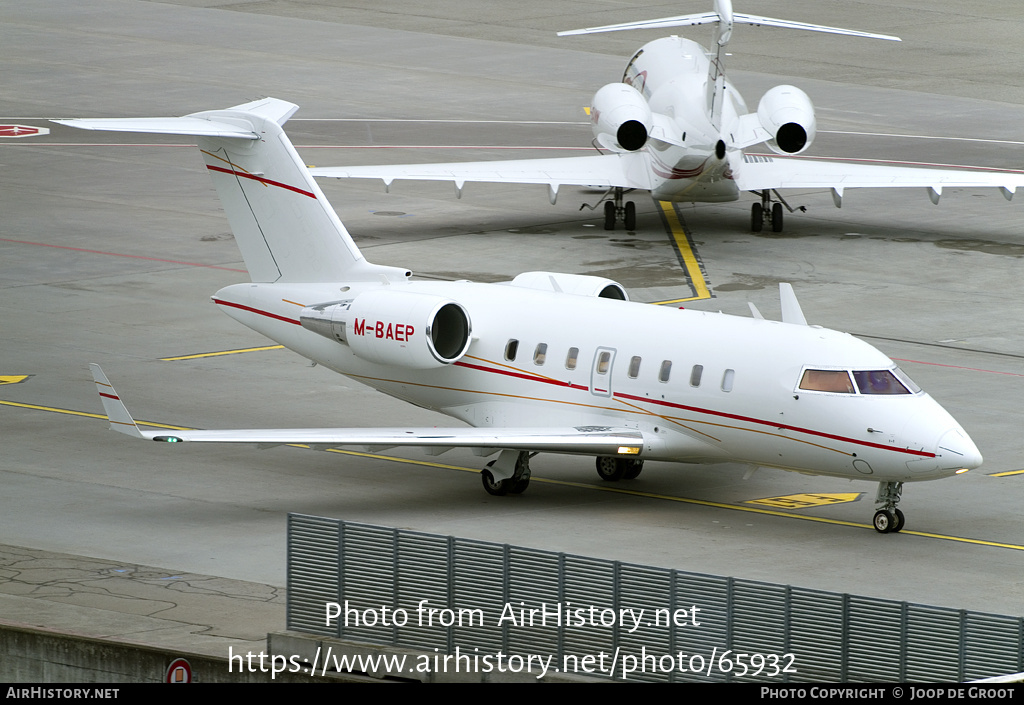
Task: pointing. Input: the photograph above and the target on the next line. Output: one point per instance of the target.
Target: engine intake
(788, 115)
(620, 118)
(418, 331)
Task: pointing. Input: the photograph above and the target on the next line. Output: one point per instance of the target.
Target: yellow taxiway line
(683, 246)
(221, 352)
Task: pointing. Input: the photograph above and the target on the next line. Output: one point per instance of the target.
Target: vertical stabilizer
(283, 224)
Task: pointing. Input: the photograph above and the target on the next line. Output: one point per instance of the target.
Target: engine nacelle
(578, 284)
(407, 329)
(787, 113)
(620, 118)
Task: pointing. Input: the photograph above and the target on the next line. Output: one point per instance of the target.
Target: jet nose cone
(957, 451)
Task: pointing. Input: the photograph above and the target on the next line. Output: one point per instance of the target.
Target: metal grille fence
(481, 593)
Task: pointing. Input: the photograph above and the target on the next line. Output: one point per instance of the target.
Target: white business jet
(547, 362)
(676, 127)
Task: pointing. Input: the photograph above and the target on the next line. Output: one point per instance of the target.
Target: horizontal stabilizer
(736, 18)
(206, 124)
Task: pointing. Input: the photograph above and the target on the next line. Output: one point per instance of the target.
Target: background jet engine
(786, 112)
(418, 331)
(578, 284)
(620, 118)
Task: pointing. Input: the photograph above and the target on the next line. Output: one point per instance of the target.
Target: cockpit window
(878, 382)
(907, 382)
(835, 381)
(891, 381)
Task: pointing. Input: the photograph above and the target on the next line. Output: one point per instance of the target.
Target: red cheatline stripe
(709, 412)
(775, 424)
(260, 179)
(221, 302)
(110, 396)
(118, 254)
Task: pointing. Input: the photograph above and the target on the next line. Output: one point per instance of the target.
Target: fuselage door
(601, 374)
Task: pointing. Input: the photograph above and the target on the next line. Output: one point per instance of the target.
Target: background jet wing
(760, 172)
(584, 440)
(629, 170)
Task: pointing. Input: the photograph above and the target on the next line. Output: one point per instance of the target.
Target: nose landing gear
(889, 519)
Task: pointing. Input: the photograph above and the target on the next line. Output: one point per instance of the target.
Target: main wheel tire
(629, 219)
(756, 218)
(610, 469)
(519, 486)
(633, 469)
(901, 521)
(609, 215)
(884, 521)
(493, 487)
(777, 218)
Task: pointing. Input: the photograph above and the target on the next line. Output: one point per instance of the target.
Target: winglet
(791, 311)
(120, 420)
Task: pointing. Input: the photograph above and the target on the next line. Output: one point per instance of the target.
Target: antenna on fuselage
(791, 311)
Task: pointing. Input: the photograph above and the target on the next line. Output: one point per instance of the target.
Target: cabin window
(603, 363)
(634, 367)
(727, 379)
(878, 382)
(695, 375)
(571, 358)
(540, 354)
(665, 371)
(511, 348)
(835, 381)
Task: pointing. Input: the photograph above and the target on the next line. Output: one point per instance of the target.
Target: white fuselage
(745, 407)
(672, 74)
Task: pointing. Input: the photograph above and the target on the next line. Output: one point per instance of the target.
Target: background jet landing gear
(615, 469)
(515, 465)
(615, 210)
(768, 212)
(889, 519)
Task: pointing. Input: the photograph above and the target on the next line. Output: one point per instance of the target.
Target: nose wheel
(889, 519)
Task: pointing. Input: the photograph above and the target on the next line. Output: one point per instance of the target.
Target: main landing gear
(615, 210)
(510, 473)
(768, 212)
(889, 519)
(615, 469)
(513, 469)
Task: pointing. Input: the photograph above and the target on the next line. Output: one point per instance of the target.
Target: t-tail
(723, 18)
(284, 226)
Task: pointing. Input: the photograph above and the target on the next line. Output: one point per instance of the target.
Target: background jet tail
(283, 224)
(723, 18)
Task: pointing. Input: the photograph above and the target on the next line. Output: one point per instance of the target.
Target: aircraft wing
(629, 170)
(762, 172)
(584, 440)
